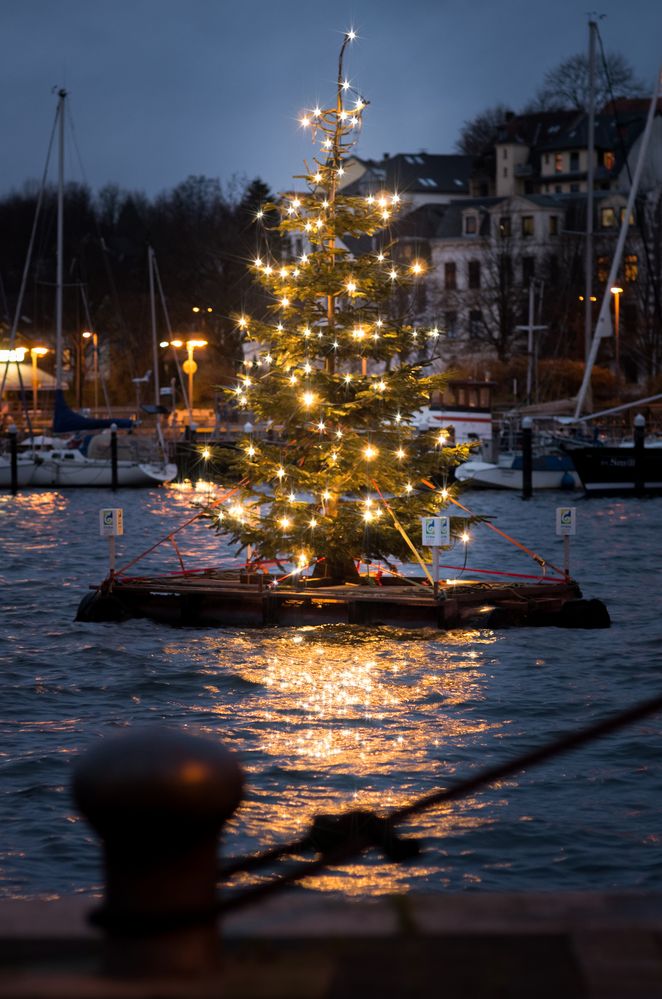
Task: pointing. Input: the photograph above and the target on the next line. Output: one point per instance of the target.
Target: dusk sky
(161, 89)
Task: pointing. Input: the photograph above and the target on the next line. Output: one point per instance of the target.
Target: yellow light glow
(312, 522)
(196, 343)
(380, 386)
(206, 453)
(347, 378)
(285, 522)
(417, 267)
(401, 453)
(408, 487)
(321, 425)
(284, 301)
(243, 323)
(367, 516)
(304, 121)
(465, 537)
(444, 493)
(345, 84)
(326, 495)
(164, 343)
(280, 471)
(292, 497)
(250, 451)
(370, 452)
(393, 274)
(176, 343)
(351, 34)
(308, 399)
(351, 286)
(13, 355)
(258, 261)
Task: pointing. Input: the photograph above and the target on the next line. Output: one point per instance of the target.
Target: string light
(370, 452)
(308, 399)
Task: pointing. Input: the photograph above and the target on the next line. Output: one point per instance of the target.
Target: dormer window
(608, 160)
(470, 225)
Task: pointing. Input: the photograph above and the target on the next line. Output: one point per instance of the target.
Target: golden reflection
(334, 719)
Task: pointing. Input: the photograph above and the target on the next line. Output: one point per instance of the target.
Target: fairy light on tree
(343, 434)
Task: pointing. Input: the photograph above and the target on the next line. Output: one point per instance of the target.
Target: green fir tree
(337, 377)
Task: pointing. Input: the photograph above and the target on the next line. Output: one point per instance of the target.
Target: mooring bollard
(158, 798)
(639, 454)
(113, 457)
(527, 458)
(13, 458)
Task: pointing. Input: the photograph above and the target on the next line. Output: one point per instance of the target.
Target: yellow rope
(404, 535)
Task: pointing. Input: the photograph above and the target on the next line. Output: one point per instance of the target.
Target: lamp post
(95, 361)
(617, 292)
(36, 352)
(189, 366)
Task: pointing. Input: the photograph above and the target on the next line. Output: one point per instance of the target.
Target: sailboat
(632, 467)
(91, 463)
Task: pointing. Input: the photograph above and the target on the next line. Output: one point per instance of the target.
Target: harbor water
(326, 719)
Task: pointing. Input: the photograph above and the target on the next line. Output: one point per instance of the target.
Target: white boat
(57, 464)
(550, 471)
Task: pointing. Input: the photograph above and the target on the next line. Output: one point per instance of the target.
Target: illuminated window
(609, 160)
(558, 163)
(602, 266)
(607, 218)
(470, 225)
(631, 267)
(527, 225)
(622, 216)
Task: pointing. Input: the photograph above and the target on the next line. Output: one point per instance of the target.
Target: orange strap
(536, 558)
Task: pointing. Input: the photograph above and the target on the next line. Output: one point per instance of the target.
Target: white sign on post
(565, 521)
(111, 525)
(435, 531)
(111, 522)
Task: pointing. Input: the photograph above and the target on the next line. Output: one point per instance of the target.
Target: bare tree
(565, 86)
(477, 134)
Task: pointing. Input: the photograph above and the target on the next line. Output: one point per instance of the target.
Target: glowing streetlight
(189, 366)
(617, 292)
(36, 352)
(87, 335)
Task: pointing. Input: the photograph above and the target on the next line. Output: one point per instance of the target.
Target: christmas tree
(337, 376)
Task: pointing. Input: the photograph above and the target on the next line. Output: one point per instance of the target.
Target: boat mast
(603, 326)
(590, 183)
(152, 306)
(60, 241)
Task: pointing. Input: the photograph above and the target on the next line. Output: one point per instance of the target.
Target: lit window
(631, 267)
(609, 160)
(607, 218)
(470, 225)
(558, 163)
(527, 225)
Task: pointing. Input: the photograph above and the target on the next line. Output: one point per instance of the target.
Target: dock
(226, 599)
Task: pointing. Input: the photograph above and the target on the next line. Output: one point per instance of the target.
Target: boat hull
(75, 471)
(612, 471)
(548, 473)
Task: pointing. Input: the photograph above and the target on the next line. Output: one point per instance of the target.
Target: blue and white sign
(435, 531)
(566, 521)
(111, 522)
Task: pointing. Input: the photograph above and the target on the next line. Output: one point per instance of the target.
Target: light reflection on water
(332, 718)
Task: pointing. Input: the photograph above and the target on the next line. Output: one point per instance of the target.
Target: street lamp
(189, 366)
(95, 360)
(36, 352)
(617, 292)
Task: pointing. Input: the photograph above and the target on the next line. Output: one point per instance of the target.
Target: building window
(631, 267)
(527, 225)
(558, 189)
(574, 162)
(503, 228)
(528, 270)
(574, 188)
(609, 160)
(505, 152)
(554, 271)
(474, 273)
(470, 225)
(602, 267)
(607, 218)
(475, 323)
(450, 324)
(621, 216)
(505, 171)
(553, 225)
(450, 275)
(558, 163)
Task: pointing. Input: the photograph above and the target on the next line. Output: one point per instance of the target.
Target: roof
(424, 173)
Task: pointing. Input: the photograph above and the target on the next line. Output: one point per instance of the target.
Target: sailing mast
(603, 327)
(62, 94)
(590, 183)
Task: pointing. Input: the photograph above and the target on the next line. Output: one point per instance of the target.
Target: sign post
(435, 533)
(111, 525)
(566, 527)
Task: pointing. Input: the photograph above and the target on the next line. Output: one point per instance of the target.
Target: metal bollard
(639, 455)
(158, 798)
(113, 457)
(527, 457)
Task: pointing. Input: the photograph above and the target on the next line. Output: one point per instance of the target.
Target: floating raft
(234, 599)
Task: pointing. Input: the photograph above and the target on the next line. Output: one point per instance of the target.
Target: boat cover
(66, 420)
